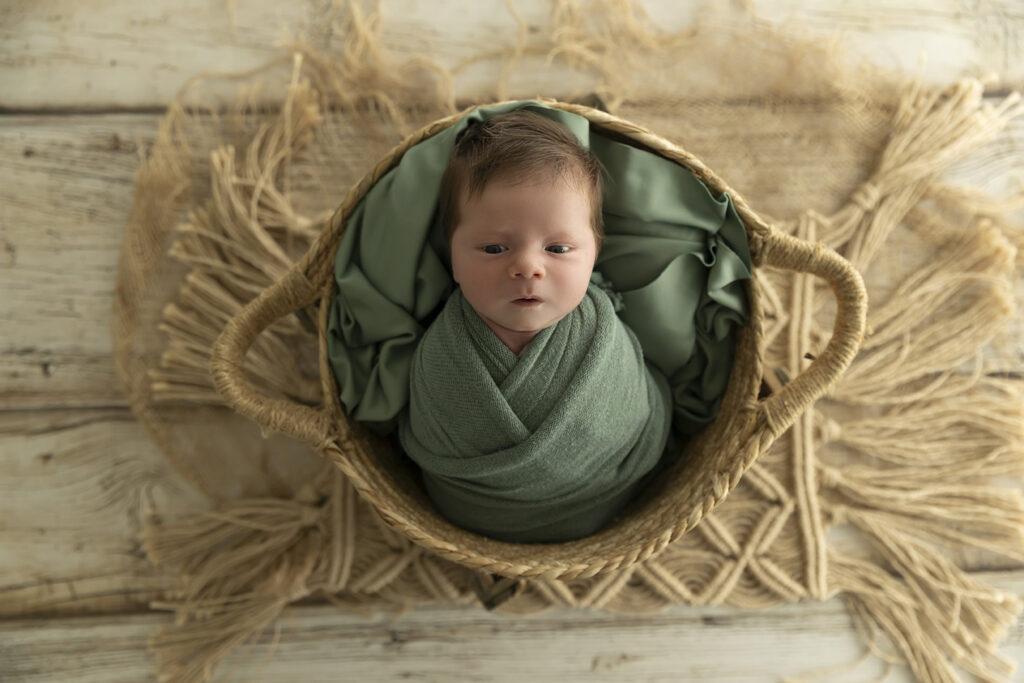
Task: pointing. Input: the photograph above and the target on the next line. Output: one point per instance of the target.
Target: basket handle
(227, 360)
(785, 251)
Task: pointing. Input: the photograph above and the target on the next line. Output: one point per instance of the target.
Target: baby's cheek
(582, 283)
(478, 290)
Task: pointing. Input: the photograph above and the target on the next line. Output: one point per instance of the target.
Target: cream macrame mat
(917, 451)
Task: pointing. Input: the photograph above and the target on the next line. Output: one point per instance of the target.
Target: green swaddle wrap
(675, 258)
(542, 447)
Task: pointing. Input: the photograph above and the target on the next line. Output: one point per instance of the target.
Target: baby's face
(524, 240)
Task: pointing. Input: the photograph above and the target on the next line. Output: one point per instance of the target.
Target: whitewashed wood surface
(84, 83)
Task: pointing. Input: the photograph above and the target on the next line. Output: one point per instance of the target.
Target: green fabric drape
(542, 447)
(676, 255)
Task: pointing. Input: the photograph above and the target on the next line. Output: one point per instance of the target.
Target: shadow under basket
(712, 462)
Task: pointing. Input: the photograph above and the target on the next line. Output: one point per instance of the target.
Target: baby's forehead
(531, 176)
(527, 192)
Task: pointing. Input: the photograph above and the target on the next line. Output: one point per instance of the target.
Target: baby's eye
(560, 246)
(496, 246)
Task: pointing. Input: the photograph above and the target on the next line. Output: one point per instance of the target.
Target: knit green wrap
(542, 447)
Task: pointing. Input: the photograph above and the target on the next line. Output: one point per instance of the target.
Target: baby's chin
(517, 326)
(523, 327)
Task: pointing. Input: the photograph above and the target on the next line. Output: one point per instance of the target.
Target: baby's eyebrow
(499, 233)
(505, 234)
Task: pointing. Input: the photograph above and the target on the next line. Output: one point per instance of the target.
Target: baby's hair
(518, 146)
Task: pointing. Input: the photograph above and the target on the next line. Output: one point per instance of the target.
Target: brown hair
(517, 146)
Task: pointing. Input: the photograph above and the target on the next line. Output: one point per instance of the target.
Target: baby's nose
(527, 266)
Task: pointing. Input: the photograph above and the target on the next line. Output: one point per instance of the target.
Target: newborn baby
(533, 414)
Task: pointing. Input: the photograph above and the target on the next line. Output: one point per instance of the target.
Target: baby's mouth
(525, 301)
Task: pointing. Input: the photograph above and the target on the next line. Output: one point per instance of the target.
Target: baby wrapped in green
(542, 438)
(546, 446)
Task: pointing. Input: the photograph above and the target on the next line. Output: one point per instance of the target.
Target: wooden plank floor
(85, 84)
(439, 643)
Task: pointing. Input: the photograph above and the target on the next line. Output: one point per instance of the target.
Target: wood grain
(66, 190)
(444, 643)
(954, 38)
(74, 487)
(104, 54)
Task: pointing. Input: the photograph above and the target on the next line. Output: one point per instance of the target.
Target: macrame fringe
(956, 515)
(242, 564)
(980, 435)
(239, 568)
(241, 241)
(937, 616)
(930, 131)
(934, 456)
(935, 320)
(932, 482)
(933, 460)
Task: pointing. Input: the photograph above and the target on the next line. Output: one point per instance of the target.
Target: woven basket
(713, 461)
